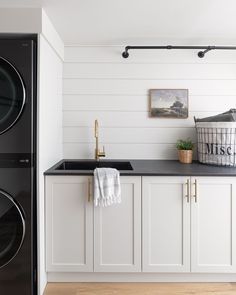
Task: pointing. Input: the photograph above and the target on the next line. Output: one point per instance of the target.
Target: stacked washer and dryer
(18, 258)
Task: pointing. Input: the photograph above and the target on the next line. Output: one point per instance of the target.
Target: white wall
(50, 62)
(51, 35)
(30, 20)
(100, 84)
(49, 133)
(20, 20)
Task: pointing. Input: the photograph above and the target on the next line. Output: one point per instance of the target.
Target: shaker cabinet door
(117, 231)
(213, 224)
(69, 224)
(166, 224)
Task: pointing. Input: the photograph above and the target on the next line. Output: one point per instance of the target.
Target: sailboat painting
(169, 103)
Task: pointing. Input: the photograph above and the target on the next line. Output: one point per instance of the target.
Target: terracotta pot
(185, 156)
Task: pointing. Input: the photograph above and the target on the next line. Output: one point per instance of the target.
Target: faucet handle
(102, 153)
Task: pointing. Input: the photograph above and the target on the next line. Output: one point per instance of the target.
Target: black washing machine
(17, 95)
(18, 230)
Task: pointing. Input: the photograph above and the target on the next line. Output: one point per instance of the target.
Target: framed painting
(169, 103)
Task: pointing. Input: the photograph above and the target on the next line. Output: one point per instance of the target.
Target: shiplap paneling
(149, 71)
(100, 84)
(126, 119)
(141, 86)
(122, 151)
(127, 135)
(103, 102)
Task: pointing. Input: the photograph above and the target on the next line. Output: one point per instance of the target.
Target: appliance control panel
(16, 160)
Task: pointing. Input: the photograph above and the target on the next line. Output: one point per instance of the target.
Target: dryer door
(12, 95)
(12, 228)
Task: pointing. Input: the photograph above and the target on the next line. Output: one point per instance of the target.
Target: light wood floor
(141, 289)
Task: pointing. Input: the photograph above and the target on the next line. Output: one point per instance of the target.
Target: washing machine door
(12, 228)
(12, 95)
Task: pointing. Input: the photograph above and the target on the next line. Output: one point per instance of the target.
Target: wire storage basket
(216, 143)
(216, 139)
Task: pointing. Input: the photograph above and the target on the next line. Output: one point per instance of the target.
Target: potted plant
(185, 150)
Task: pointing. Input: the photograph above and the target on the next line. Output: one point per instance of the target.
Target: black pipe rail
(201, 53)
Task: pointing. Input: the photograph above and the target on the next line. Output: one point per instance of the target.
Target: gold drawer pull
(196, 191)
(188, 191)
(89, 189)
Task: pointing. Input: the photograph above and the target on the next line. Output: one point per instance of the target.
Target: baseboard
(139, 277)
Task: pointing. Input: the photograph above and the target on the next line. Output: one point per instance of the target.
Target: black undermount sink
(91, 165)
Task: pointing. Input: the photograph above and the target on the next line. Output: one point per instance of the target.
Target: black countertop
(154, 168)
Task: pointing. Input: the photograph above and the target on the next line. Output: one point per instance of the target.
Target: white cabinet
(169, 244)
(69, 224)
(163, 224)
(166, 224)
(117, 231)
(81, 238)
(213, 225)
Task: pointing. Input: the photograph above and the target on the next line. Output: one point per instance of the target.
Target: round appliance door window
(12, 95)
(12, 228)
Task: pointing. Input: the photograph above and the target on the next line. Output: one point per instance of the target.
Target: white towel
(107, 189)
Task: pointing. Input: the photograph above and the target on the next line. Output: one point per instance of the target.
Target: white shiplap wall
(100, 84)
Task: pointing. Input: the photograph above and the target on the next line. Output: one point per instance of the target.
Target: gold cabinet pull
(188, 191)
(195, 191)
(89, 189)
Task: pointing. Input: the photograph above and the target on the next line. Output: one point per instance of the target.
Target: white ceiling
(119, 22)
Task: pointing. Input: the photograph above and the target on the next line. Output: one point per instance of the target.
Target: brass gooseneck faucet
(98, 153)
